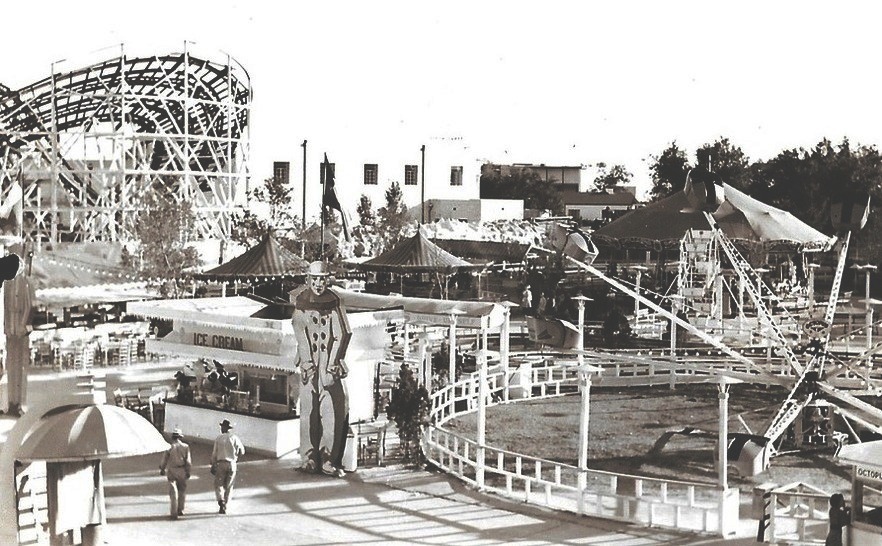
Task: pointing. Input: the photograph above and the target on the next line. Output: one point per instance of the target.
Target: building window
(281, 172)
(411, 173)
(456, 176)
(331, 166)
(370, 174)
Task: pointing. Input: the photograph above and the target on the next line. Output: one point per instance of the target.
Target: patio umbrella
(89, 432)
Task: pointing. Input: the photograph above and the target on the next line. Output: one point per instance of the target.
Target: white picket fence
(664, 503)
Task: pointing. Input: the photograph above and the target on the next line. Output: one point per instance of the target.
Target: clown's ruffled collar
(307, 300)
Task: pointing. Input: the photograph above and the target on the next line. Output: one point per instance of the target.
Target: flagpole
(423, 184)
(322, 213)
(303, 220)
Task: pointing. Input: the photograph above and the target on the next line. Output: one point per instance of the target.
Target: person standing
(839, 518)
(527, 300)
(543, 303)
(175, 466)
(18, 298)
(224, 455)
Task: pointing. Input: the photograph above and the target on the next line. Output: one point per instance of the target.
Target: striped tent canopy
(267, 259)
(416, 255)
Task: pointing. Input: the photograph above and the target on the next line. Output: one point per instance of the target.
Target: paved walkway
(276, 505)
(273, 504)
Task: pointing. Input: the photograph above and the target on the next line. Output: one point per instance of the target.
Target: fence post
(482, 418)
(585, 384)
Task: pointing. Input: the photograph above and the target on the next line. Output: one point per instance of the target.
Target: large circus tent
(661, 225)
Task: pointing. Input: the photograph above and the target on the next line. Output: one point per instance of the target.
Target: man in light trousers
(227, 449)
(175, 466)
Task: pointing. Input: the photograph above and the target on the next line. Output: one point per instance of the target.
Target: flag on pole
(329, 197)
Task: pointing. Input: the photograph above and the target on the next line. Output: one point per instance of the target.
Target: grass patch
(624, 424)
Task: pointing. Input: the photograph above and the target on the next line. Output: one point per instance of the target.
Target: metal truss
(88, 144)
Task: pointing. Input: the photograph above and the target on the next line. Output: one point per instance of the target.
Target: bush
(409, 409)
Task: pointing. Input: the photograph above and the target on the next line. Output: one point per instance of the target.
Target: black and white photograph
(440, 273)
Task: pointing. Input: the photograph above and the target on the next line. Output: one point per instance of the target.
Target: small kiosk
(257, 342)
(866, 493)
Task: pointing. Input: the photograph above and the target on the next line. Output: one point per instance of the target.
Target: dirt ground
(626, 423)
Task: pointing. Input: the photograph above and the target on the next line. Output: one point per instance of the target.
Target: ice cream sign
(218, 341)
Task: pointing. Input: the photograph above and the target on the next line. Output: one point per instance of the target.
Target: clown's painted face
(318, 284)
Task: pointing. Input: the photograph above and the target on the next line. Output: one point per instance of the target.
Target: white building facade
(446, 170)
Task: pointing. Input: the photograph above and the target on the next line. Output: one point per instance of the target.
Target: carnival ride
(815, 388)
(86, 145)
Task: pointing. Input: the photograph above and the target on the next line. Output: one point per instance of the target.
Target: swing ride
(820, 384)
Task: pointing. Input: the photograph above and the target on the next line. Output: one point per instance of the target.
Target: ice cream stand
(256, 340)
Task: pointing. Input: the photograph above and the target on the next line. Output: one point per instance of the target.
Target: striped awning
(267, 259)
(416, 255)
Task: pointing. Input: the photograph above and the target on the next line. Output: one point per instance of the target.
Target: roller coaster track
(172, 122)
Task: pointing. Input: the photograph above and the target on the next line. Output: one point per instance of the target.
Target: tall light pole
(303, 218)
(639, 269)
(868, 269)
(423, 184)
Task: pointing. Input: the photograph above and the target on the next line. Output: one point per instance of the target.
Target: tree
(250, 228)
(807, 182)
(521, 183)
(392, 217)
(409, 409)
(366, 216)
(164, 231)
(668, 172)
(611, 176)
(278, 195)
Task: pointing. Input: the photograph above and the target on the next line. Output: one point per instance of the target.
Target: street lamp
(639, 269)
(580, 299)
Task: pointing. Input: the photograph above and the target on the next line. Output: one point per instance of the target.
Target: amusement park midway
(277, 505)
(614, 277)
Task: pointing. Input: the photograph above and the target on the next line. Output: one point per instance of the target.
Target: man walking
(227, 449)
(175, 466)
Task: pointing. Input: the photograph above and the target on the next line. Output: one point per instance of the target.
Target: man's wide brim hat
(177, 433)
(318, 269)
(226, 424)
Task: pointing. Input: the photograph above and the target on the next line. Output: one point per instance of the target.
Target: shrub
(409, 409)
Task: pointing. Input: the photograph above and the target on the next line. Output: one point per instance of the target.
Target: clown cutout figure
(323, 335)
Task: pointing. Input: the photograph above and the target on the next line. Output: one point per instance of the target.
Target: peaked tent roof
(266, 259)
(741, 217)
(415, 255)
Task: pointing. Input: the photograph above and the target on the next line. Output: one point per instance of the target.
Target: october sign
(218, 341)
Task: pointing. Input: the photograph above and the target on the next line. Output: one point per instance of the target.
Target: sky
(528, 82)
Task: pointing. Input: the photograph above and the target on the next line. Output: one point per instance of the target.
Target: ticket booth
(866, 493)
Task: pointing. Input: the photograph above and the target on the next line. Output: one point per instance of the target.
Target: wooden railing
(666, 503)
